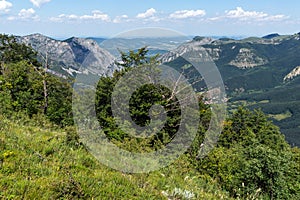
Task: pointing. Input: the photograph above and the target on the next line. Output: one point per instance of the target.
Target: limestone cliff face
(54, 50)
(74, 55)
(246, 58)
(214, 53)
(193, 46)
(295, 72)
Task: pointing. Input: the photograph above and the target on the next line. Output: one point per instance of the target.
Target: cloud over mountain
(95, 15)
(5, 6)
(149, 13)
(241, 14)
(38, 3)
(183, 14)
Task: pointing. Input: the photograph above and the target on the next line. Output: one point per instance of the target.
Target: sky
(104, 18)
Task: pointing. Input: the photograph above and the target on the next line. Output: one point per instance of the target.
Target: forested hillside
(258, 73)
(42, 156)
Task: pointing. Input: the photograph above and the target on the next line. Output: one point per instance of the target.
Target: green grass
(264, 101)
(281, 116)
(49, 163)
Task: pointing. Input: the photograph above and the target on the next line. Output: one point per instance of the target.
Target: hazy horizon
(91, 18)
(237, 37)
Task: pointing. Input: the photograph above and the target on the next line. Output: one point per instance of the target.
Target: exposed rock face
(93, 58)
(214, 53)
(196, 46)
(55, 50)
(77, 55)
(74, 55)
(246, 58)
(295, 72)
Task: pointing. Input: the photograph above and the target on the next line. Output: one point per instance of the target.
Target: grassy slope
(47, 163)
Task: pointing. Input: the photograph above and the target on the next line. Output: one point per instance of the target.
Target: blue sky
(66, 18)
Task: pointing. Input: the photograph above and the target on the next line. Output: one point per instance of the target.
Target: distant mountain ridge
(84, 55)
(71, 56)
(271, 36)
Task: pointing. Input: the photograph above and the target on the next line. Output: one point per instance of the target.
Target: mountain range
(258, 72)
(261, 73)
(71, 56)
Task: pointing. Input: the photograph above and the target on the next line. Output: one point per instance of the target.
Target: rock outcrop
(295, 72)
(246, 58)
(72, 56)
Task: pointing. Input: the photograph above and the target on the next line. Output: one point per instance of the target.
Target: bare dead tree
(46, 66)
(43, 74)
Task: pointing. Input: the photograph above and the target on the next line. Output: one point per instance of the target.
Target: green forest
(42, 156)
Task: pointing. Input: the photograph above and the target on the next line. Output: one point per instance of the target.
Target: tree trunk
(45, 95)
(45, 85)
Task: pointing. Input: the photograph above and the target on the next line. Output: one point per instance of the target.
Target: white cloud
(277, 17)
(25, 14)
(183, 14)
(64, 17)
(240, 14)
(119, 19)
(38, 3)
(96, 15)
(5, 6)
(149, 13)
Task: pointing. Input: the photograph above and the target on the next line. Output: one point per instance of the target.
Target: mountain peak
(37, 35)
(201, 38)
(271, 36)
(77, 55)
(71, 39)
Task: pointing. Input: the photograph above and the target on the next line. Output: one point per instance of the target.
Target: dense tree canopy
(22, 84)
(253, 159)
(141, 101)
(11, 51)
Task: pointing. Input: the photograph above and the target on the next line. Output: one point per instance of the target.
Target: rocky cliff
(71, 56)
(295, 72)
